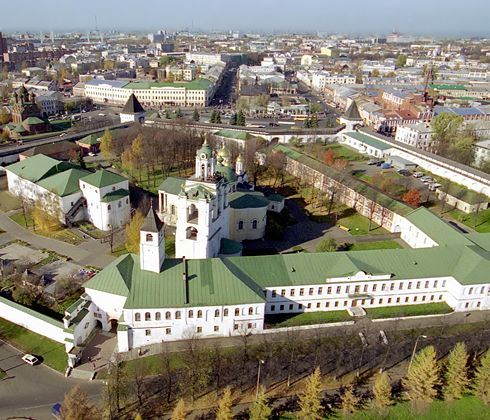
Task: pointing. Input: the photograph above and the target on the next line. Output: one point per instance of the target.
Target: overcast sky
(438, 17)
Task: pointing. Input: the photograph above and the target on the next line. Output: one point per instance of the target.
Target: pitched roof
(246, 200)
(38, 167)
(132, 106)
(64, 183)
(353, 112)
(51, 148)
(115, 195)
(172, 185)
(103, 178)
(33, 121)
(371, 141)
(91, 139)
(152, 222)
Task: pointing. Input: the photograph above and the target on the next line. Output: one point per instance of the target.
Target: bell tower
(152, 242)
(205, 162)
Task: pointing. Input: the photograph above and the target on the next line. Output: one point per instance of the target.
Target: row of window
(361, 289)
(168, 331)
(347, 303)
(240, 225)
(190, 314)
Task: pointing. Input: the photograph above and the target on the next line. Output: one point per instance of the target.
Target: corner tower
(152, 243)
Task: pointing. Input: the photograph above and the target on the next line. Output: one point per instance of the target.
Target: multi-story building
(415, 135)
(197, 93)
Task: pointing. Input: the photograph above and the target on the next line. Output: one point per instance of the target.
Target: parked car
(380, 162)
(91, 153)
(404, 172)
(418, 174)
(56, 410)
(434, 186)
(373, 161)
(385, 166)
(427, 179)
(30, 359)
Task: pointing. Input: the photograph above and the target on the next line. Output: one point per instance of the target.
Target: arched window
(177, 314)
(168, 315)
(240, 225)
(191, 314)
(251, 310)
(216, 313)
(199, 313)
(192, 214)
(147, 316)
(149, 237)
(225, 312)
(237, 312)
(158, 316)
(191, 233)
(254, 224)
(137, 316)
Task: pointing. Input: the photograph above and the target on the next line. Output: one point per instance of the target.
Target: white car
(30, 359)
(91, 153)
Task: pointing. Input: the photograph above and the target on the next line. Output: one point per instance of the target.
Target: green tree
(327, 245)
(260, 410)
(307, 123)
(76, 405)
(375, 73)
(240, 119)
(224, 406)
(179, 113)
(481, 384)
(462, 147)
(195, 116)
(218, 118)
(22, 296)
(309, 400)
(138, 153)
(234, 119)
(167, 115)
(446, 127)
(109, 64)
(382, 390)
(106, 146)
(212, 119)
(349, 401)
(423, 378)
(315, 108)
(133, 232)
(179, 412)
(314, 121)
(80, 160)
(456, 376)
(401, 60)
(4, 116)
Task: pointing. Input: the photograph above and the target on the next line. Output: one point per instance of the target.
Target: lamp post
(414, 349)
(261, 362)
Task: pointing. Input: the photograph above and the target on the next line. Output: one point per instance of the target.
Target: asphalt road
(31, 391)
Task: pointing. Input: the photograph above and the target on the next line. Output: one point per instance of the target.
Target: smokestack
(186, 281)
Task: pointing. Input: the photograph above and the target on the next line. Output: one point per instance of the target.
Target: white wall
(247, 217)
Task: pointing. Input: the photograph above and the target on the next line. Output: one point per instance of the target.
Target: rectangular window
(168, 331)
(406, 299)
(383, 287)
(381, 301)
(363, 302)
(417, 285)
(423, 298)
(389, 300)
(397, 300)
(216, 328)
(291, 306)
(431, 297)
(291, 293)
(374, 287)
(318, 305)
(327, 304)
(273, 308)
(274, 293)
(329, 290)
(357, 289)
(482, 290)
(392, 286)
(338, 289)
(347, 288)
(444, 283)
(415, 299)
(281, 308)
(320, 290)
(365, 288)
(409, 285)
(147, 332)
(199, 329)
(467, 304)
(400, 286)
(470, 292)
(427, 284)
(435, 283)
(346, 302)
(301, 292)
(283, 292)
(300, 306)
(478, 304)
(440, 297)
(309, 305)
(372, 301)
(336, 303)
(310, 292)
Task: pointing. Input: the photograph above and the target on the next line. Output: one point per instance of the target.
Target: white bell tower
(152, 243)
(205, 162)
(240, 165)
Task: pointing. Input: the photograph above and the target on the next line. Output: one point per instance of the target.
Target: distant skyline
(425, 17)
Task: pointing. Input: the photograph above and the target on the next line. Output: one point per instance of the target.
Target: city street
(31, 391)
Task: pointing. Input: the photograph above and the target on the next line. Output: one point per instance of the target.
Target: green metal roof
(447, 87)
(38, 167)
(275, 197)
(247, 200)
(210, 282)
(198, 84)
(103, 178)
(364, 138)
(90, 140)
(64, 183)
(33, 121)
(205, 150)
(436, 228)
(115, 195)
(172, 185)
(234, 134)
(226, 172)
(230, 247)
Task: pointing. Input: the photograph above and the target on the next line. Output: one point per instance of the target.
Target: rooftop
(103, 178)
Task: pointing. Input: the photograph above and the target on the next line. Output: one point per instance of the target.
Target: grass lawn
(359, 225)
(53, 353)
(409, 310)
(467, 408)
(342, 152)
(91, 230)
(363, 246)
(8, 201)
(480, 222)
(64, 235)
(306, 318)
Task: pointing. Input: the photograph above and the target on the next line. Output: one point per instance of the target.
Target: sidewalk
(90, 252)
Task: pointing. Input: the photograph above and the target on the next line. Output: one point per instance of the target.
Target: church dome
(224, 153)
(205, 150)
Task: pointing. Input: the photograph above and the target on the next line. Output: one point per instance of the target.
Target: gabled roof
(51, 149)
(371, 141)
(152, 222)
(353, 112)
(245, 200)
(91, 139)
(132, 106)
(64, 183)
(103, 178)
(115, 195)
(33, 121)
(38, 167)
(172, 185)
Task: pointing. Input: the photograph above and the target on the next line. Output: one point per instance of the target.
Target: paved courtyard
(22, 253)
